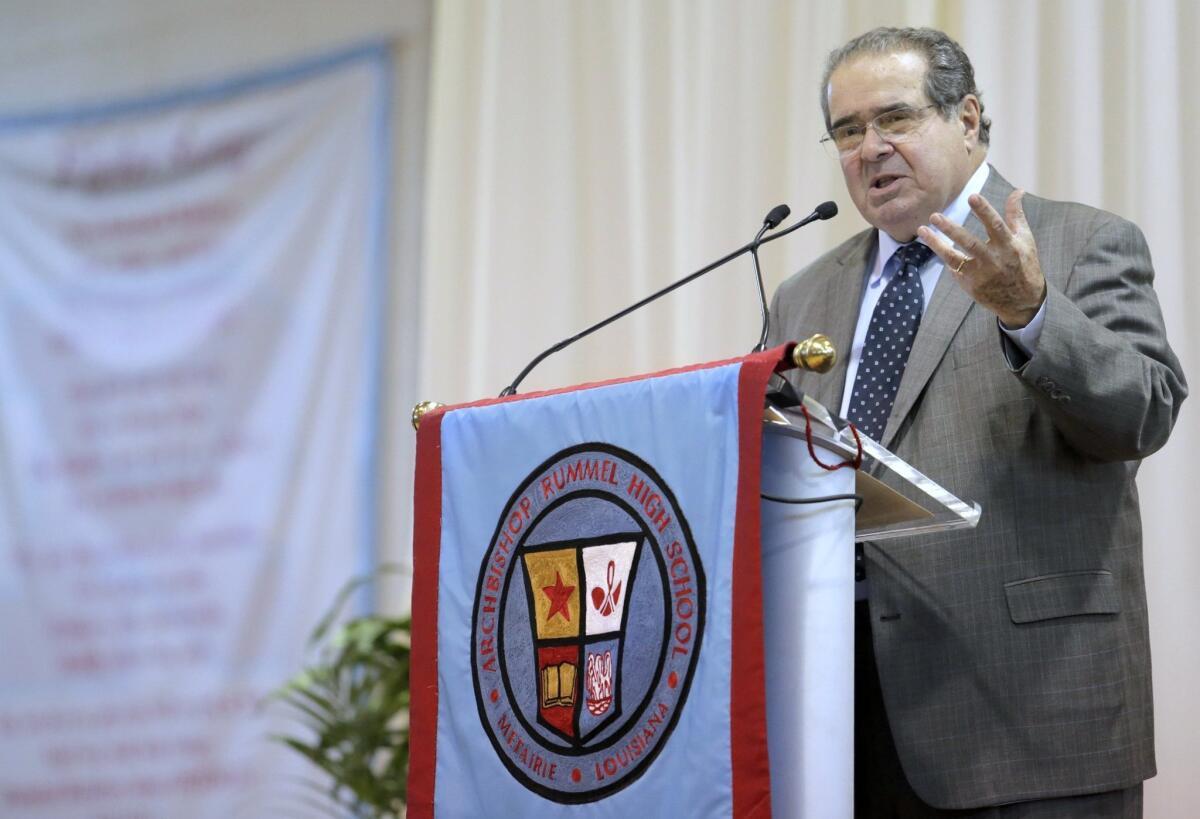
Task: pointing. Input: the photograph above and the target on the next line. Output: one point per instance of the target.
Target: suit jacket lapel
(840, 305)
(947, 309)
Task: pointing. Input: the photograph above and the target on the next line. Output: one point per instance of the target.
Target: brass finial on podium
(815, 354)
(420, 409)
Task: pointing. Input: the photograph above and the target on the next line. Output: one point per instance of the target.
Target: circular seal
(587, 624)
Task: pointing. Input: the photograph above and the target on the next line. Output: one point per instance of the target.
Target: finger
(950, 256)
(969, 243)
(995, 226)
(1014, 212)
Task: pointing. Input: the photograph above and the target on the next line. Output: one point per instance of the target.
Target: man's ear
(969, 116)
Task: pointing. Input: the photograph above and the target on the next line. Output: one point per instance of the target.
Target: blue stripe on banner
(220, 90)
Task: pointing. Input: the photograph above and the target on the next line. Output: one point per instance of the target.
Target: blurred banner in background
(190, 289)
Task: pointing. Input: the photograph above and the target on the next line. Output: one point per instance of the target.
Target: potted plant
(353, 699)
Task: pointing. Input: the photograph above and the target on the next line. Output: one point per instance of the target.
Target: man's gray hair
(948, 79)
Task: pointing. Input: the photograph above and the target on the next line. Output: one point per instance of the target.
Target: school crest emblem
(587, 624)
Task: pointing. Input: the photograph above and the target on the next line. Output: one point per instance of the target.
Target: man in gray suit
(1023, 363)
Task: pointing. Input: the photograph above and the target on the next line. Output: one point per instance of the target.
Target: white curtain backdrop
(583, 154)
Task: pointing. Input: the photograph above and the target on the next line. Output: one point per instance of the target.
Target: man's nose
(874, 147)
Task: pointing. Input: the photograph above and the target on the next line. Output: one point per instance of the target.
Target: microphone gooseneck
(776, 215)
(772, 220)
(825, 210)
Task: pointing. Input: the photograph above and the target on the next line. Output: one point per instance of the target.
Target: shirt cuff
(1026, 338)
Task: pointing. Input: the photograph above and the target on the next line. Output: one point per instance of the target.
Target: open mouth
(883, 182)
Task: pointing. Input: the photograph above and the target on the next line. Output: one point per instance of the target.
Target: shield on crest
(577, 593)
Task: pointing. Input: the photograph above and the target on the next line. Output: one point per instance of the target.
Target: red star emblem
(560, 596)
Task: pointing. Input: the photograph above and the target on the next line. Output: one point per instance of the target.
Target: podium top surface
(885, 513)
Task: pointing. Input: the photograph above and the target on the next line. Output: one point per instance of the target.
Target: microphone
(776, 215)
(825, 210)
(772, 220)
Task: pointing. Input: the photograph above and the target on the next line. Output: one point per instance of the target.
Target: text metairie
(522, 752)
(506, 538)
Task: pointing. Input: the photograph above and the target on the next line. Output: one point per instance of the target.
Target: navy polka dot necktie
(889, 340)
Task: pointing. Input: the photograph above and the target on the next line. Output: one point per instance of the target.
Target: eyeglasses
(893, 126)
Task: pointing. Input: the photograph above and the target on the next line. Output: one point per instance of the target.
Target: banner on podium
(587, 603)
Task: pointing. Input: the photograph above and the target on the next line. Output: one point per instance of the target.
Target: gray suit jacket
(1014, 657)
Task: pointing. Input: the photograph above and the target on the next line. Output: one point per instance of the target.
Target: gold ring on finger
(958, 269)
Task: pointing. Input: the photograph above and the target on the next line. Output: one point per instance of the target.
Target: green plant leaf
(354, 696)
